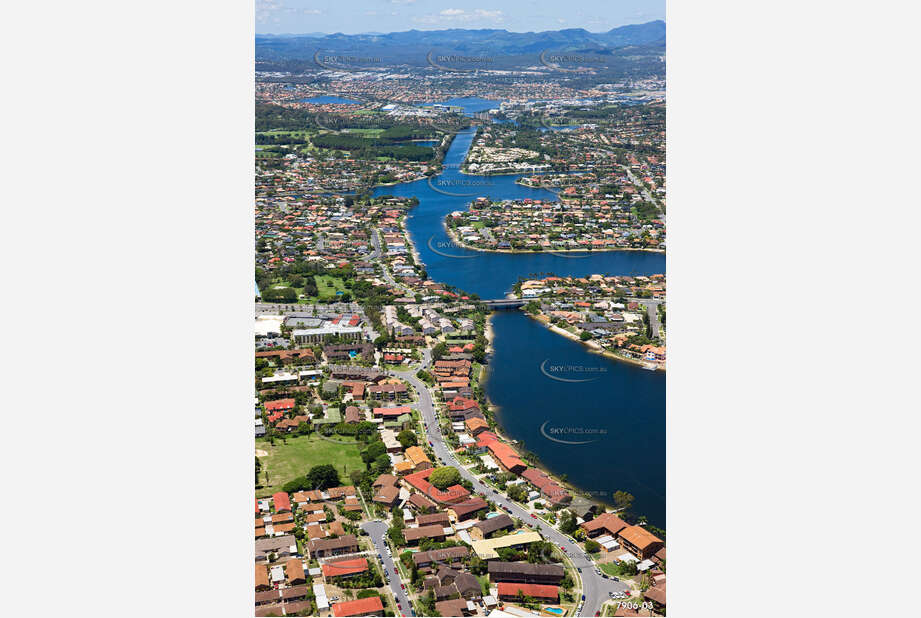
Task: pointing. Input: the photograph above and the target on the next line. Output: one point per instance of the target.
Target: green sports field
(286, 462)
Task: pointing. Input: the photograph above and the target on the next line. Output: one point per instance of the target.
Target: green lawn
(610, 568)
(286, 462)
(365, 132)
(327, 286)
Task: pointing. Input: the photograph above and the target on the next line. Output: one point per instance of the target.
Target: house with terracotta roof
(282, 502)
(451, 495)
(547, 486)
(294, 569)
(262, 577)
(476, 425)
(345, 568)
(505, 455)
(418, 458)
(403, 467)
(640, 542)
(509, 591)
(606, 523)
(370, 606)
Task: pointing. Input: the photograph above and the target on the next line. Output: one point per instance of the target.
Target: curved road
(594, 587)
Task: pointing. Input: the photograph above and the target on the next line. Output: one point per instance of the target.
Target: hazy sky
(356, 16)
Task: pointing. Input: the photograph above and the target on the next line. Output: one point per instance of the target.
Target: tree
(407, 438)
(623, 500)
(568, 523)
(323, 476)
(517, 493)
(258, 469)
(439, 350)
(592, 546)
(585, 335)
(444, 476)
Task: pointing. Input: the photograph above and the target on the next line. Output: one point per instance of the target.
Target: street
(594, 587)
(376, 530)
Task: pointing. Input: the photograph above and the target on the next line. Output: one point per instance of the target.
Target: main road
(595, 587)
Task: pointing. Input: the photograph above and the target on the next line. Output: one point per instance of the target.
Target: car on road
(395, 572)
(403, 586)
(533, 515)
(583, 597)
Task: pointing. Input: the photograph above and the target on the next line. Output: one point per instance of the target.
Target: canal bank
(603, 431)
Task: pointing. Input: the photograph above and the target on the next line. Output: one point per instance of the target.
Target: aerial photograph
(460, 309)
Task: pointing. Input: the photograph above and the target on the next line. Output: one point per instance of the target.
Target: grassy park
(285, 462)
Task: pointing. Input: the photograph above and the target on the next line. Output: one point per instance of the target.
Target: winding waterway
(603, 425)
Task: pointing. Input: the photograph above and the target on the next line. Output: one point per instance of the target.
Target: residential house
(467, 509)
(324, 548)
(482, 529)
(543, 593)
(414, 535)
(370, 606)
(640, 542)
(526, 572)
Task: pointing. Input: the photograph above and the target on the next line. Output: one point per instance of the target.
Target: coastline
(595, 349)
(451, 234)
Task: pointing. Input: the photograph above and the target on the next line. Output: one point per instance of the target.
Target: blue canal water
(618, 406)
(330, 99)
(471, 105)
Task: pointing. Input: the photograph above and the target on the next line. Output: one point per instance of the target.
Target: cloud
(460, 16)
(270, 10)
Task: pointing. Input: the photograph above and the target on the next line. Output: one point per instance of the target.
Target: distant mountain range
(405, 47)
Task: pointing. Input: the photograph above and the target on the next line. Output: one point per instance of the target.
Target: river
(614, 410)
